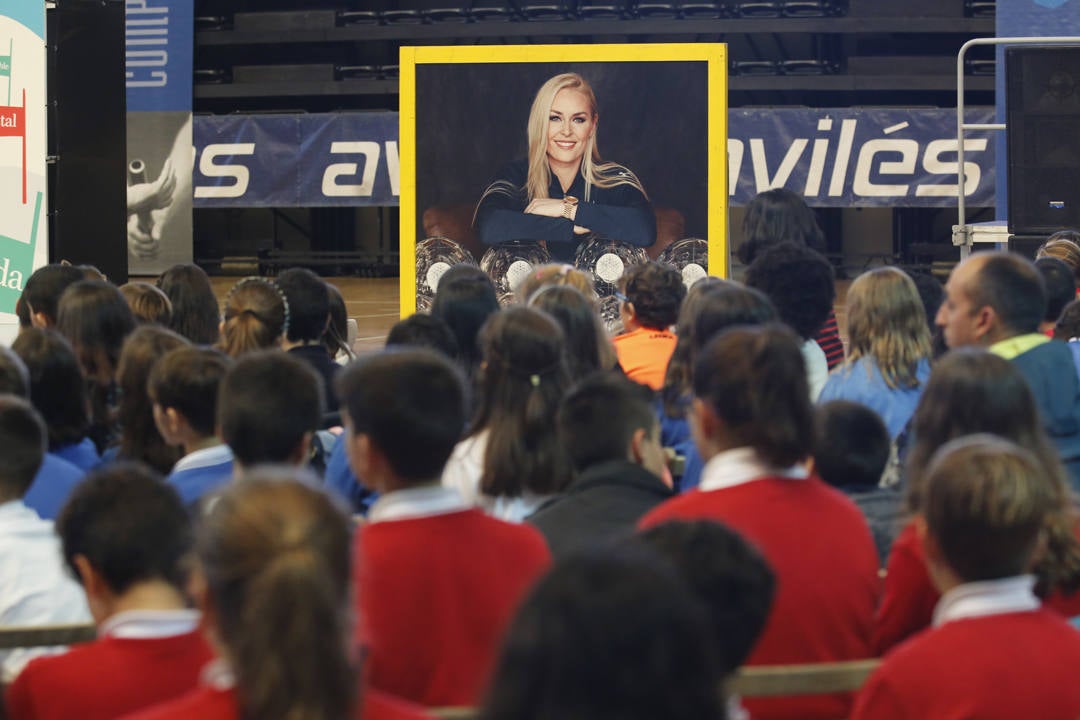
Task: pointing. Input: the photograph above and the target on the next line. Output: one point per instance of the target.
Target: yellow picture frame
(713, 55)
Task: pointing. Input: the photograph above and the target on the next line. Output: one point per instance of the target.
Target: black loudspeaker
(87, 135)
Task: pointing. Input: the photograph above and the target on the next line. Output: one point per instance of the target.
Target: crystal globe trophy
(510, 263)
(434, 256)
(690, 256)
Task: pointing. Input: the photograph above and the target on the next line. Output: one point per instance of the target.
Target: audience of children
(511, 461)
(610, 432)
(888, 359)
(195, 311)
(34, 588)
(650, 300)
(851, 452)
(434, 581)
(993, 652)
(437, 580)
(183, 387)
(126, 537)
(973, 391)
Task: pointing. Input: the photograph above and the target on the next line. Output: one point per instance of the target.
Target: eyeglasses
(620, 297)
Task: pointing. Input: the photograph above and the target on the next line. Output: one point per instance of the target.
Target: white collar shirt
(989, 597)
(739, 466)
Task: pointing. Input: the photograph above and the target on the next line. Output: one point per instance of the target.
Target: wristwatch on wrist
(569, 206)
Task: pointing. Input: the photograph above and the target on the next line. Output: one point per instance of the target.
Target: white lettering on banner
(909, 152)
(209, 168)
(370, 151)
(9, 120)
(934, 165)
(393, 165)
(761, 169)
(10, 279)
(901, 161)
(146, 27)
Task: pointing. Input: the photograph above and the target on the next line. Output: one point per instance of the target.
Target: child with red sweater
(753, 423)
(124, 535)
(436, 581)
(994, 652)
(972, 391)
(272, 580)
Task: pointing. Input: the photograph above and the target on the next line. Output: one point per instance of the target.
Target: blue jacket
(1051, 375)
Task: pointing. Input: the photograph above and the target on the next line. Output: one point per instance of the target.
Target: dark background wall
(653, 119)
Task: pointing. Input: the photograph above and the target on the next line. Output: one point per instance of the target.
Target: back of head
(411, 404)
(423, 331)
(464, 300)
(728, 574)
(586, 339)
(1060, 286)
(257, 317)
(336, 337)
(274, 551)
(1012, 286)
(754, 379)
(987, 500)
(887, 324)
(799, 281)
(147, 303)
(187, 379)
(57, 385)
(140, 439)
(558, 274)
(1068, 325)
(1065, 246)
(851, 445)
(656, 290)
(522, 382)
(606, 636)
(677, 376)
(309, 304)
(22, 442)
(95, 319)
(777, 216)
(195, 311)
(14, 377)
(129, 525)
(727, 306)
(44, 288)
(972, 391)
(599, 416)
(267, 404)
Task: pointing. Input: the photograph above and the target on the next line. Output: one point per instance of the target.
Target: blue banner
(836, 158)
(159, 51)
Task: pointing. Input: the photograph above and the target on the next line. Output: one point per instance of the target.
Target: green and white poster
(23, 244)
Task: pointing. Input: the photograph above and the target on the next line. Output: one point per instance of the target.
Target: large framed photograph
(598, 155)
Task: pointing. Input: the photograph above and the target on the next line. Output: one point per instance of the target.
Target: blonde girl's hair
(887, 323)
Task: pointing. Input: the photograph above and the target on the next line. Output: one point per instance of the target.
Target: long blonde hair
(887, 322)
(595, 171)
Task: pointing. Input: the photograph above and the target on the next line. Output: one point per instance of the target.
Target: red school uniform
(821, 551)
(123, 671)
(980, 662)
(437, 584)
(907, 605)
(211, 703)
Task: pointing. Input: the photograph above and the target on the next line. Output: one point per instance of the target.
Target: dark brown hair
(972, 391)
(195, 311)
(754, 379)
(522, 381)
(187, 379)
(139, 436)
(95, 319)
(274, 550)
(57, 385)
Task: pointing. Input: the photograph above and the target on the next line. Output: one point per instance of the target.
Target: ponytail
(256, 317)
(289, 647)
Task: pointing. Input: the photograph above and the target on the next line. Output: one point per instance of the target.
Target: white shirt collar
(989, 597)
(417, 502)
(207, 457)
(742, 465)
(149, 624)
